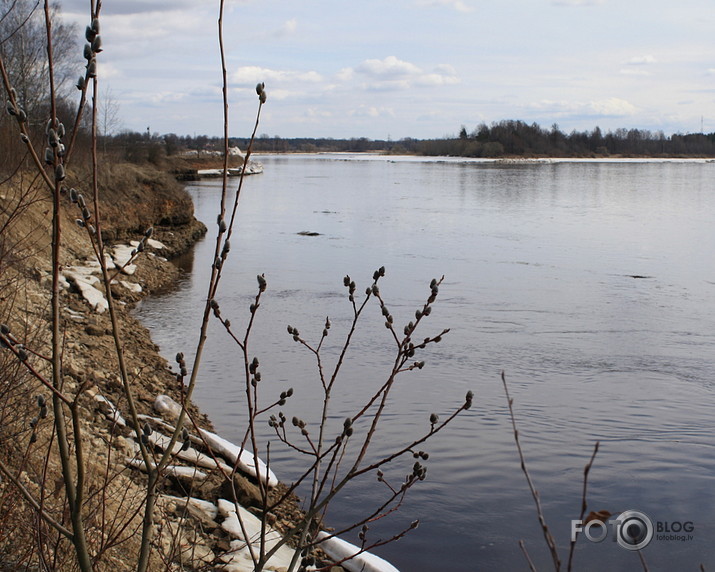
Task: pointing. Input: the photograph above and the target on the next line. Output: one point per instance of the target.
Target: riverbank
(133, 199)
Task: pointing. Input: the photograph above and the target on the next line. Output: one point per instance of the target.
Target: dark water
(592, 285)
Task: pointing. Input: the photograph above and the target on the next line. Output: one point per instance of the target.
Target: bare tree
(23, 46)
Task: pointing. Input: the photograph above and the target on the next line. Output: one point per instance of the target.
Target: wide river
(591, 284)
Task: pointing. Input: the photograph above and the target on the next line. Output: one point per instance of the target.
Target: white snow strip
(191, 455)
(239, 553)
(111, 410)
(163, 404)
(242, 458)
(155, 243)
(122, 253)
(85, 283)
(338, 549)
(172, 470)
(207, 508)
(131, 286)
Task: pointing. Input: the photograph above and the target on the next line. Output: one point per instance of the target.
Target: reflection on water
(590, 284)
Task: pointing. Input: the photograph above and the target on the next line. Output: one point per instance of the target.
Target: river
(591, 284)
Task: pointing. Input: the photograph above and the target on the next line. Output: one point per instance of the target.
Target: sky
(407, 68)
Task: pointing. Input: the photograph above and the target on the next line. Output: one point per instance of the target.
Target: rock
(95, 330)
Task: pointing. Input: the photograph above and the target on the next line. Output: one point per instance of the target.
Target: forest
(506, 138)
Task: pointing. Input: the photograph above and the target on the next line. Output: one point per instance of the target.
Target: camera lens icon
(634, 530)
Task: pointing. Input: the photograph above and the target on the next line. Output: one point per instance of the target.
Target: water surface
(591, 284)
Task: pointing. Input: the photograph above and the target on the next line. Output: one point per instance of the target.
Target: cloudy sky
(409, 68)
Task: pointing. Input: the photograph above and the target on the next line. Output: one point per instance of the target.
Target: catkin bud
(81, 83)
(87, 52)
(434, 418)
(92, 68)
(97, 44)
(49, 155)
(60, 172)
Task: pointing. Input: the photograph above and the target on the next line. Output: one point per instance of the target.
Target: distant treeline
(517, 138)
(513, 138)
(500, 139)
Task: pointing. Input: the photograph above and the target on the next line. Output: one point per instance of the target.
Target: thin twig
(550, 542)
(529, 561)
(584, 505)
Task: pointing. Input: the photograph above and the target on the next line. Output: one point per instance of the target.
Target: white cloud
(610, 107)
(345, 74)
(167, 97)
(393, 74)
(613, 106)
(289, 27)
(389, 67)
(106, 70)
(641, 60)
(458, 5)
(636, 72)
(372, 112)
(253, 74)
(436, 79)
(577, 2)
